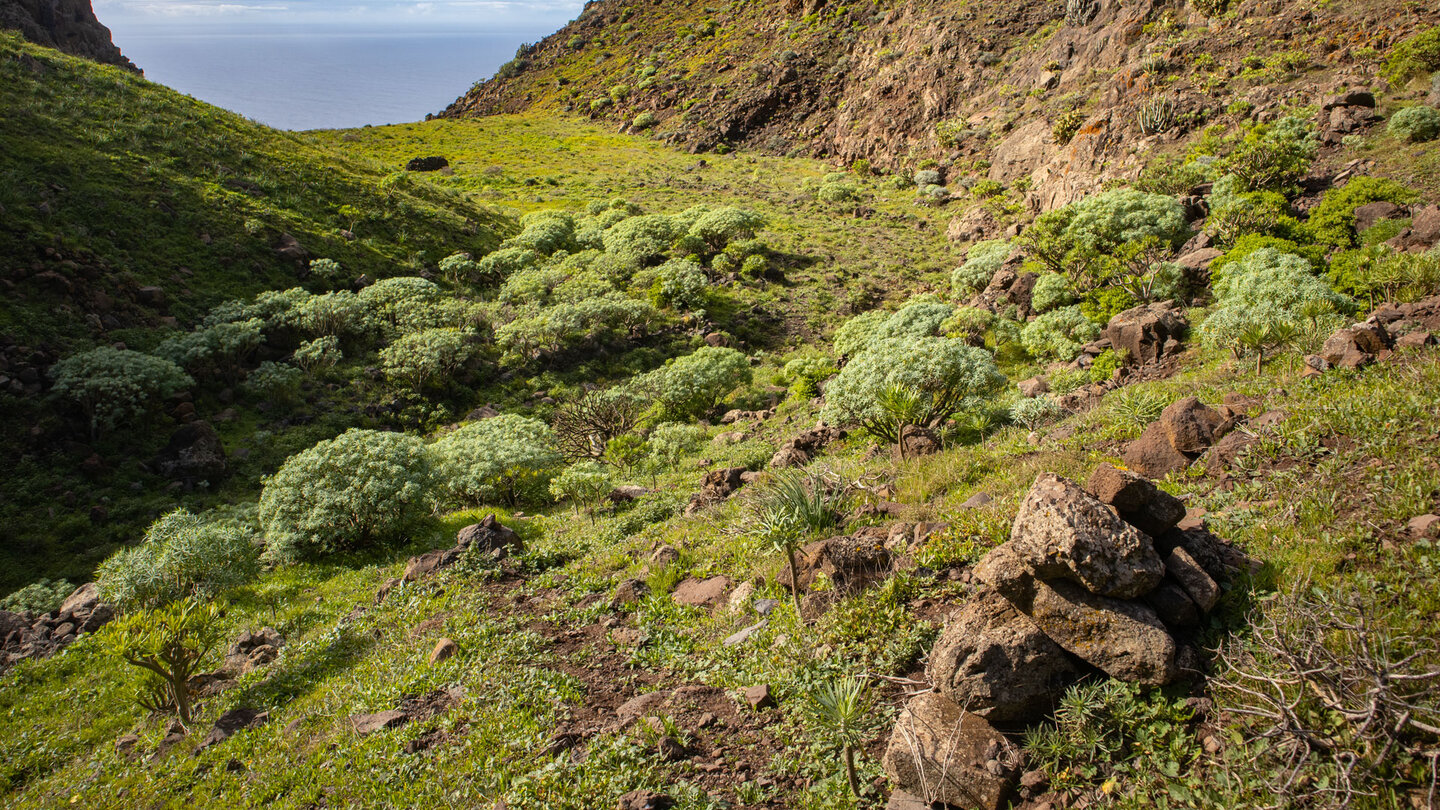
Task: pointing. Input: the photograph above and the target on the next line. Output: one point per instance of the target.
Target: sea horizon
(317, 76)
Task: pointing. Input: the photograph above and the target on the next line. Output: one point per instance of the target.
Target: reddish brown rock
(942, 753)
(1143, 331)
(701, 593)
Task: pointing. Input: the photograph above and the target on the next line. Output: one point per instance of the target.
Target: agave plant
(793, 507)
(1156, 114)
(838, 708)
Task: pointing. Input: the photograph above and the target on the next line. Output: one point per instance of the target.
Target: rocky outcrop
(846, 563)
(716, 486)
(800, 450)
(1147, 333)
(252, 650)
(67, 25)
(25, 635)
(1185, 430)
(193, 454)
(1352, 347)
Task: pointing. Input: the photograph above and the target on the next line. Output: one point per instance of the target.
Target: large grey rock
(1190, 425)
(1125, 639)
(83, 600)
(995, 662)
(489, 535)
(1064, 532)
(941, 753)
(847, 562)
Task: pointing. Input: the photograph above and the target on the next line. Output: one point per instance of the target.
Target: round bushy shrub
(402, 304)
(837, 192)
(689, 386)
(1266, 287)
(981, 265)
(338, 313)
(181, 556)
(640, 240)
(326, 268)
(918, 318)
(510, 457)
(219, 348)
(927, 177)
(855, 334)
(419, 358)
(1058, 334)
(543, 232)
(1415, 124)
(670, 441)
(804, 374)
(322, 352)
(1274, 156)
(1332, 222)
(459, 268)
(360, 488)
(718, 228)
(505, 262)
(584, 483)
(113, 385)
(681, 283)
(945, 374)
(1051, 291)
(1068, 240)
(1034, 411)
(274, 381)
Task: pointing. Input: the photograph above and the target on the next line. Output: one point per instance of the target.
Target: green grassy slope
(114, 183)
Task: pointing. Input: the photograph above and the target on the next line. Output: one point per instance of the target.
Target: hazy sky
(493, 15)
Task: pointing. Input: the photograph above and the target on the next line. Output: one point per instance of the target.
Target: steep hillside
(1050, 95)
(70, 26)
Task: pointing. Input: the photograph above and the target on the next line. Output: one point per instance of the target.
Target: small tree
(585, 483)
(902, 407)
(322, 352)
(112, 385)
(1058, 334)
(949, 376)
(459, 269)
(839, 709)
(328, 269)
(584, 427)
(670, 441)
(168, 644)
(508, 456)
(791, 508)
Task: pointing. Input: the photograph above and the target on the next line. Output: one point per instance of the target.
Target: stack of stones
(1091, 582)
(24, 635)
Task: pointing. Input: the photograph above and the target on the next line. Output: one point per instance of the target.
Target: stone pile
(1094, 579)
(25, 635)
(800, 450)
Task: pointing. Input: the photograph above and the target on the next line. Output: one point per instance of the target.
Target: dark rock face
(427, 164)
(940, 751)
(193, 454)
(66, 25)
(25, 635)
(1144, 331)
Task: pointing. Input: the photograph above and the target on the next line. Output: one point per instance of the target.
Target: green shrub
(459, 269)
(221, 348)
(419, 358)
(274, 381)
(1051, 291)
(168, 644)
(1266, 287)
(1273, 156)
(1250, 243)
(1058, 334)
(113, 385)
(1103, 304)
(505, 262)
(1106, 364)
(1416, 124)
(1235, 213)
(606, 320)
(543, 232)
(671, 441)
(855, 334)
(181, 556)
(981, 264)
(326, 268)
(402, 304)
(1109, 733)
(687, 387)
(838, 192)
(1377, 273)
(1032, 412)
(968, 324)
(1416, 55)
(920, 317)
(1074, 240)
(585, 483)
(313, 355)
(804, 375)
(946, 375)
(1332, 222)
(335, 314)
(1066, 125)
(510, 457)
(681, 284)
(722, 226)
(1065, 380)
(640, 240)
(360, 488)
(40, 596)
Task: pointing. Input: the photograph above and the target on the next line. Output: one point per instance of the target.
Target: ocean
(321, 79)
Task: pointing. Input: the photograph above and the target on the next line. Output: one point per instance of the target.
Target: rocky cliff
(67, 25)
(1066, 94)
